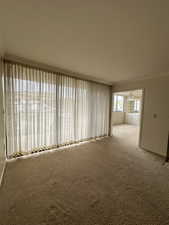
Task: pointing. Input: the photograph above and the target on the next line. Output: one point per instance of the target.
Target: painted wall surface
(117, 118)
(2, 136)
(132, 118)
(155, 124)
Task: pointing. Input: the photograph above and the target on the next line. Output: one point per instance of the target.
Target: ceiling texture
(108, 40)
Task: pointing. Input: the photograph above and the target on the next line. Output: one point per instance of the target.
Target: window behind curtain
(46, 110)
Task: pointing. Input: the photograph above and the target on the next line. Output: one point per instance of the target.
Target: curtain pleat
(45, 110)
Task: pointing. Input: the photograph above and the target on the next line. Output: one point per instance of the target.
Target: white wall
(117, 118)
(132, 118)
(125, 118)
(155, 127)
(2, 136)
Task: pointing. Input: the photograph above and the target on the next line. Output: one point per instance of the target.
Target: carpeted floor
(107, 182)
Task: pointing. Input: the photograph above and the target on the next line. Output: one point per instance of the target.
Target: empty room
(84, 112)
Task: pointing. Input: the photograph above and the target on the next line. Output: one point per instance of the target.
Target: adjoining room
(127, 114)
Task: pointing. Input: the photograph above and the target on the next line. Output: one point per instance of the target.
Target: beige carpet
(108, 182)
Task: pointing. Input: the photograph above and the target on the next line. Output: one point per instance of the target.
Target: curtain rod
(54, 70)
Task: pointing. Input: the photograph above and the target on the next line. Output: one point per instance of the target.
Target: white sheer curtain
(46, 110)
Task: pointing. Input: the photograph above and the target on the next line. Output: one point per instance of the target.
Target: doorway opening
(127, 115)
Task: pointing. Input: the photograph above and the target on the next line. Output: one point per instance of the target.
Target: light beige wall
(2, 136)
(117, 118)
(155, 125)
(132, 118)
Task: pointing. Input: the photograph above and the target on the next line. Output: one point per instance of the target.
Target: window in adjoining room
(118, 103)
(134, 106)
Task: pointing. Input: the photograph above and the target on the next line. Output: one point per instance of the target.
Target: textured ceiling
(107, 40)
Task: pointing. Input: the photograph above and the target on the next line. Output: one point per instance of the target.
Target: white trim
(2, 174)
(141, 118)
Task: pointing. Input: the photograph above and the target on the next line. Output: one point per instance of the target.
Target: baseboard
(155, 153)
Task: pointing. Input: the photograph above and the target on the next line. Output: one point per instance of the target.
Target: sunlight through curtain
(45, 110)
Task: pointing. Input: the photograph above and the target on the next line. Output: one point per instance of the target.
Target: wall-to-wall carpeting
(107, 182)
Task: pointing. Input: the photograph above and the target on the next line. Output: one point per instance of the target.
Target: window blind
(46, 110)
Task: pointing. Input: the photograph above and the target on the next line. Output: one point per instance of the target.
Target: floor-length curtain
(46, 110)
